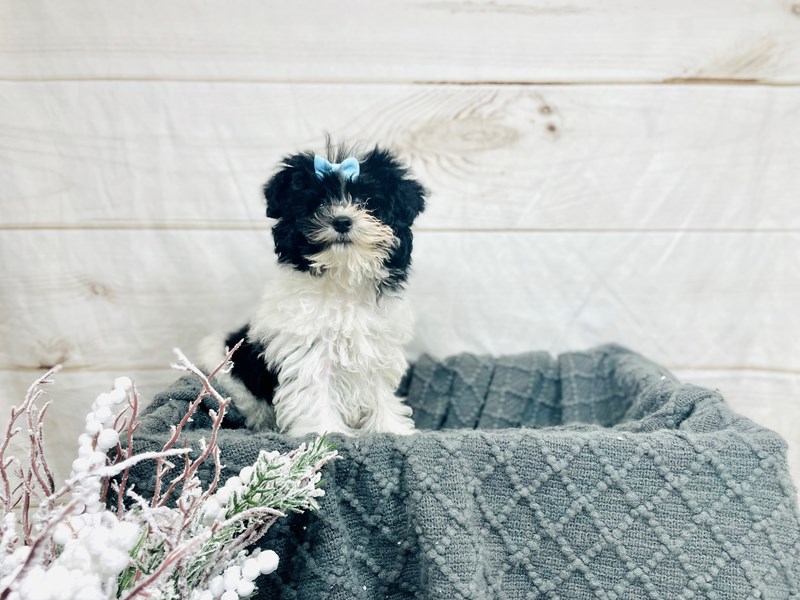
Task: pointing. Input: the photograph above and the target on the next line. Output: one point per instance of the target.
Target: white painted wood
(133, 154)
(770, 399)
(123, 299)
(381, 40)
(705, 299)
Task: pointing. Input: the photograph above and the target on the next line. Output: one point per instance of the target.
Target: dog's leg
(306, 401)
(311, 411)
(384, 411)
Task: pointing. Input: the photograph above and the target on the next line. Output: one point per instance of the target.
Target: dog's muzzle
(348, 225)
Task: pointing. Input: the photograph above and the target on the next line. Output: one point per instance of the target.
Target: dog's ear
(406, 196)
(410, 198)
(276, 191)
(294, 179)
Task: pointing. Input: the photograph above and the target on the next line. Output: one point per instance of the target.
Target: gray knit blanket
(588, 475)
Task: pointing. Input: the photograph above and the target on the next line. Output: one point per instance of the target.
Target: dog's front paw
(389, 422)
(326, 429)
(403, 426)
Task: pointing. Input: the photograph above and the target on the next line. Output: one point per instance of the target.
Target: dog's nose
(342, 224)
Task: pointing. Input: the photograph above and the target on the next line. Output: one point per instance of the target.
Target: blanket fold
(589, 475)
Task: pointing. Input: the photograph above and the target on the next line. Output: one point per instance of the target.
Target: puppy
(325, 347)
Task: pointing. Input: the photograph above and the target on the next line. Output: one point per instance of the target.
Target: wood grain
(158, 155)
(385, 41)
(123, 299)
(768, 399)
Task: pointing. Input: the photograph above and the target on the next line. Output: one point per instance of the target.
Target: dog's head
(346, 216)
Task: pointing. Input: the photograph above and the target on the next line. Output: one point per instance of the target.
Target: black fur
(384, 187)
(249, 366)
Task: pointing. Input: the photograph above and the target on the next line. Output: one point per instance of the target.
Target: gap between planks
(238, 226)
(671, 81)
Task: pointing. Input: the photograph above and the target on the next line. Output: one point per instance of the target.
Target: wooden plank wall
(616, 171)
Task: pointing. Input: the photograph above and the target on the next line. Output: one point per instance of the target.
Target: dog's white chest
(332, 345)
(300, 312)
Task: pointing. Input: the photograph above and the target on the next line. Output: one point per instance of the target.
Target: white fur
(337, 350)
(334, 340)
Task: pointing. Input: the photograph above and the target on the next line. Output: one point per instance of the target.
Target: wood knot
(98, 289)
(52, 352)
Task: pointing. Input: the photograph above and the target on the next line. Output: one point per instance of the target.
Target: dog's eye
(369, 202)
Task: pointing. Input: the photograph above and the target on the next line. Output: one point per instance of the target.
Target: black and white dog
(325, 347)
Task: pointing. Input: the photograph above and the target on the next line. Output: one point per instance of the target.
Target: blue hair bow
(349, 167)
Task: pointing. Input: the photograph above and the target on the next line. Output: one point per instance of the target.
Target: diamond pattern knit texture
(589, 475)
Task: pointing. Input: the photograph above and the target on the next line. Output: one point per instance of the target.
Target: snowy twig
(36, 457)
(150, 547)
